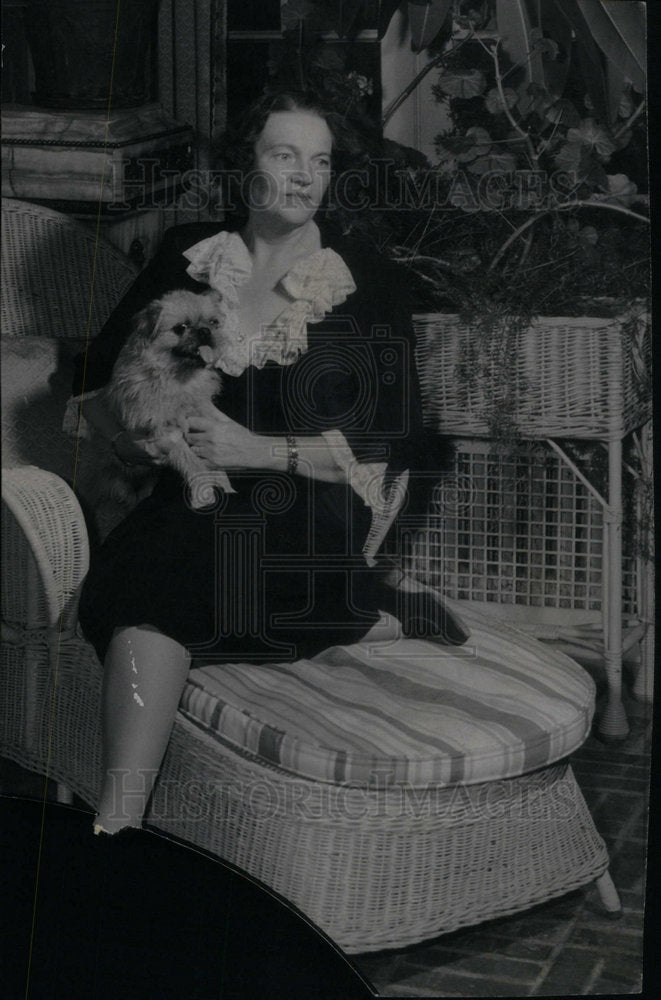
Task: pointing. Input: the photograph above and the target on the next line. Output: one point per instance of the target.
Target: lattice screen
(518, 530)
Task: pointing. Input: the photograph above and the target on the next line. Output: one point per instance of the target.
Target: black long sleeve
(363, 378)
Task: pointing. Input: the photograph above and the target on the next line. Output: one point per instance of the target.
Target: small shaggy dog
(164, 373)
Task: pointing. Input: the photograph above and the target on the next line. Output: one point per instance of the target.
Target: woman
(318, 423)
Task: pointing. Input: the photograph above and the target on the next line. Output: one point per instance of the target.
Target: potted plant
(536, 207)
(537, 204)
(527, 243)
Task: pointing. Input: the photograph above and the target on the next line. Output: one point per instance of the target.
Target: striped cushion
(416, 712)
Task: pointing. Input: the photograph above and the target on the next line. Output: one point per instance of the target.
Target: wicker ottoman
(391, 791)
(383, 851)
(395, 791)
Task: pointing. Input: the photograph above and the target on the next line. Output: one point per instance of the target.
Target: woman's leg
(144, 675)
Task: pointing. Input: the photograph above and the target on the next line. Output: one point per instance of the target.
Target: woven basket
(571, 377)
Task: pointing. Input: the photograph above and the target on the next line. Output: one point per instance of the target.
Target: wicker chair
(59, 285)
(383, 877)
(58, 278)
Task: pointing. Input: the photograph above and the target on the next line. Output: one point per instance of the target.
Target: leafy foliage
(532, 166)
(537, 205)
(525, 128)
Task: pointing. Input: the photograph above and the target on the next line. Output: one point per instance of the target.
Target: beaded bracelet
(292, 455)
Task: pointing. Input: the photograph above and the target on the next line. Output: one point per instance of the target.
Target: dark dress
(274, 571)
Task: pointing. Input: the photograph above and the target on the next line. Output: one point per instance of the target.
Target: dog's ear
(145, 323)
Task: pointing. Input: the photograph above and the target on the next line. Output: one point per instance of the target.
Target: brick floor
(566, 947)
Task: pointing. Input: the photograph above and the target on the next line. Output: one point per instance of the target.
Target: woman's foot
(421, 609)
(111, 827)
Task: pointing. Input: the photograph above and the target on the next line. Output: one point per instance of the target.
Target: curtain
(192, 83)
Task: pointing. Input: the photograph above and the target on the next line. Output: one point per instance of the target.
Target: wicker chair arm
(46, 550)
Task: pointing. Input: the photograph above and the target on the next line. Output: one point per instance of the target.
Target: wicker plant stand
(373, 866)
(582, 378)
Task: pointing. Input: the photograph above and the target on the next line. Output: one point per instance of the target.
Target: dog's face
(185, 328)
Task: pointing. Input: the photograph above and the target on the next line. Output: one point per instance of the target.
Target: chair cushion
(422, 714)
(37, 373)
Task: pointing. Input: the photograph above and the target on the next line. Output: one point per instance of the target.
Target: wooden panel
(253, 15)
(17, 69)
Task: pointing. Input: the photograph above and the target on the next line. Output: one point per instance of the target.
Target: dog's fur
(164, 373)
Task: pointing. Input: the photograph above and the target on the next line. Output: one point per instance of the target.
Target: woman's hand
(221, 443)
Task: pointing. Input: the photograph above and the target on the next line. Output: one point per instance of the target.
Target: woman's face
(292, 167)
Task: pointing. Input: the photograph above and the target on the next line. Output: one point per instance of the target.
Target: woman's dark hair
(237, 145)
(235, 156)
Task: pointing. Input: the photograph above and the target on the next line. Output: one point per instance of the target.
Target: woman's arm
(224, 444)
(315, 460)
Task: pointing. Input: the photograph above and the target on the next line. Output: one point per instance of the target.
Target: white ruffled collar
(314, 284)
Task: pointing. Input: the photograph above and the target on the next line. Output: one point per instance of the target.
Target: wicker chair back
(59, 285)
(59, 279)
